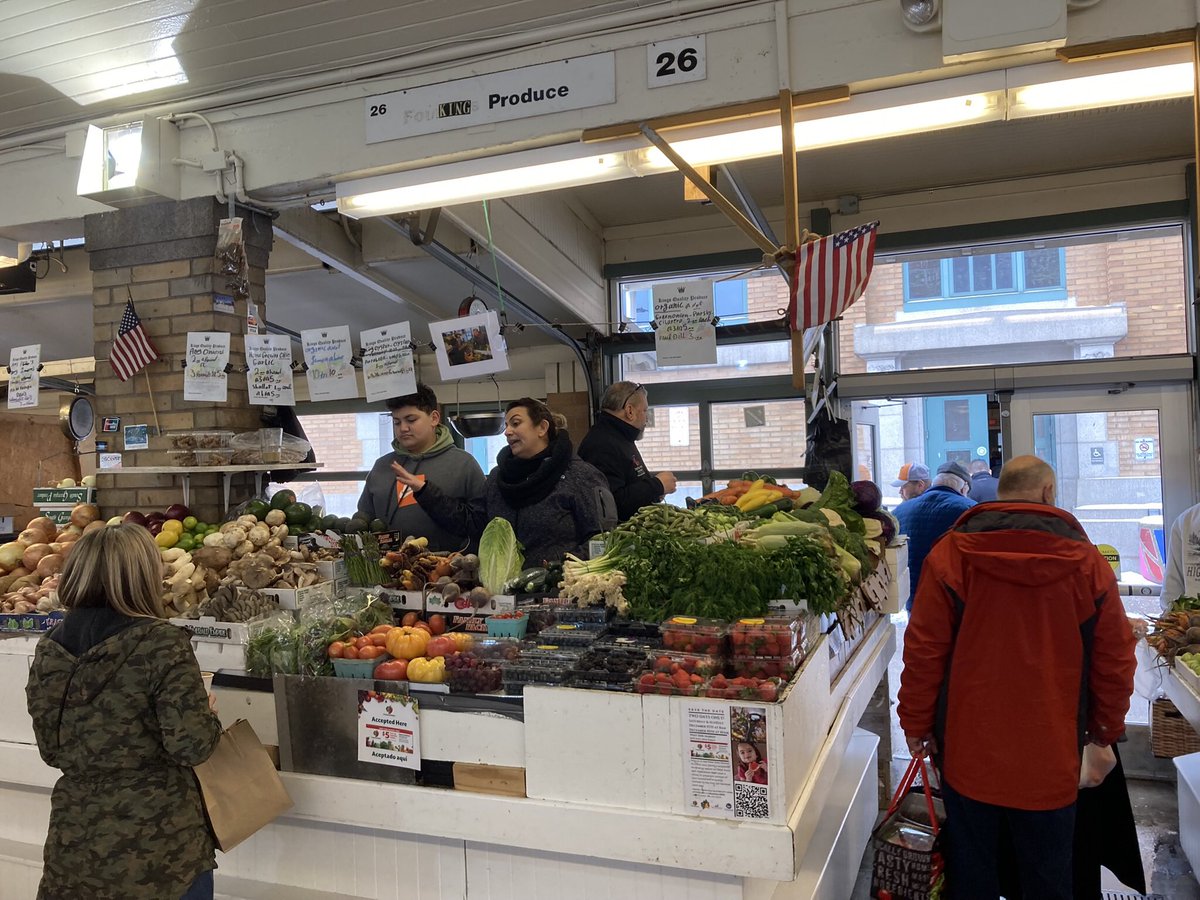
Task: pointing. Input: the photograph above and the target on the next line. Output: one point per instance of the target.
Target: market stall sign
(389, 730)
(676, 62)
(497, 97)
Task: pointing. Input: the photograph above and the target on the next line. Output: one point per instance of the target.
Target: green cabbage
(501, 556)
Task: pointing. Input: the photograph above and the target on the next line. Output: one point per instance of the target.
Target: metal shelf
(226, 473)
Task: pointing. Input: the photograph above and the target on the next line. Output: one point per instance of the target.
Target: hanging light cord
(487, 219)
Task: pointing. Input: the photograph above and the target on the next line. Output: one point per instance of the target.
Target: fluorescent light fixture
(125, 165)
(865, 117)
(510, 174)
(13, 253)
(1049, 88)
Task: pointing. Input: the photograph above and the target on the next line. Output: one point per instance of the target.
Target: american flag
(830, 274)
(133, 350)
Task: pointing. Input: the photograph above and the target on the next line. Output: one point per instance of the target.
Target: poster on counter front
(389, 730)
(388, 362)
(269, 370)
(725, 765)
(684, 334)
(327, 353)
(204, 377)
(23, 381)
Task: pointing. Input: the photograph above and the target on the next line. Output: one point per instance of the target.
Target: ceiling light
(124, 165)
(920, 14)
(1048, 88)
(13, 253)
(526, 172)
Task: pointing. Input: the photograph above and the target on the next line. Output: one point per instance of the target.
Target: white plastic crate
(1188, 769)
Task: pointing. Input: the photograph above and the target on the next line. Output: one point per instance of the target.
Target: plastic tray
(766, 666)
(496, 649)
(577, 681)
(554, 658)
(661, 683)
(567, 636)
(693, 635)
(778, 636)
(188, 458)
(722, 688)
(702, 664)
(199, 440)
(515, 673)
(591, 615)
(487, 678)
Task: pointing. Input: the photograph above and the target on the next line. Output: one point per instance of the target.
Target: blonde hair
(119, 567)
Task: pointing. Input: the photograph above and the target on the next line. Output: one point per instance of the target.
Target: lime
(186, 542)
(199, 528)
(189, 524)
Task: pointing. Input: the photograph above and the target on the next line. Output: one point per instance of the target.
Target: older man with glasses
(610, 447)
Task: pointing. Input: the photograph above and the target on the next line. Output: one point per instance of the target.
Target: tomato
(349, 651)
(437, 624)
(424, 626)
(336, 650)
(379, 638)
(407, 643)
(410, 619)
(382, 629)
(441, 646)
(371, 652)
(393, 670)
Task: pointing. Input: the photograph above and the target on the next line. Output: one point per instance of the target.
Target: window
(731, 303)
(984, 279)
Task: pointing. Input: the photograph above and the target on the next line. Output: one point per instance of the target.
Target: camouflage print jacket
(124, 721)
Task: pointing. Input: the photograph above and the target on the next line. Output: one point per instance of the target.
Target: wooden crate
(1171, 734)
(507, 781)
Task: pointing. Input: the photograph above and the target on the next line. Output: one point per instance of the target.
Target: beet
(887, 521)
(867, 496)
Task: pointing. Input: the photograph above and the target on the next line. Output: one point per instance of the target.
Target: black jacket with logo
(609, 446)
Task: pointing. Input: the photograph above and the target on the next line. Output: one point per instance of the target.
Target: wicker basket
(1171, 734)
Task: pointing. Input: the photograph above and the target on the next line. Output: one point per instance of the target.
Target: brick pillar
(162, 254)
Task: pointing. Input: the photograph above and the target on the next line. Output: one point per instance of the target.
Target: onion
(20, 571)
(50, 564)
(93, 526)
(44, 525)
(84, 514)
(33, 555)
(31, 536)
(10, 555)
(66, 539)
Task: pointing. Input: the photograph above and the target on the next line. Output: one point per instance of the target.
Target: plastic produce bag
(271, 645)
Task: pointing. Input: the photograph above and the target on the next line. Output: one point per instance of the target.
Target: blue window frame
(731, 304)
(985, 279)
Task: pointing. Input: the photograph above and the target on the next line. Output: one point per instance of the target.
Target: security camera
(32, 263)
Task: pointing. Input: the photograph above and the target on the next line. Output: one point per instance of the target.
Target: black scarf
(524, 482)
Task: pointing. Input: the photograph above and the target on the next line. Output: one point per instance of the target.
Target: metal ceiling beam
(487, 285)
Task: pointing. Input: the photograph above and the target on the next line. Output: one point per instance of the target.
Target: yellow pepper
(427, 671)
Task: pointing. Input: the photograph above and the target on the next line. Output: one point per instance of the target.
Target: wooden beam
(802, 100)
(1123, 46)
(718, 199)
(691, 193)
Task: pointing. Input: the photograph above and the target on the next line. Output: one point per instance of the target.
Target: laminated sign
(389, 731)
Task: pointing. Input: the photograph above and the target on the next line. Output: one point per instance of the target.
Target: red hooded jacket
(1017, 651)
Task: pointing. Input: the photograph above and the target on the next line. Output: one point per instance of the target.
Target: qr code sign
(750, 801)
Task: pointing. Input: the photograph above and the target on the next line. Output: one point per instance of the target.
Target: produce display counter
(1184, 690)
(606, 811)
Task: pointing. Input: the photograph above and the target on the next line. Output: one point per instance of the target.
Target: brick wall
(1124, 428)
(777, 444)
(162, 256)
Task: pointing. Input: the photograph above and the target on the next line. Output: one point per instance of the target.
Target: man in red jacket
(1018, 653)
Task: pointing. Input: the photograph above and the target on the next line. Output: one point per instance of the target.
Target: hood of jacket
(78, 680)
(443, 440)
(1021, 543)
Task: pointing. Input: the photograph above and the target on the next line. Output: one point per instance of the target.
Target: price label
(677, 61)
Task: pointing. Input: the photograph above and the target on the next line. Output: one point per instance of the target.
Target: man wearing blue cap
(927, 517)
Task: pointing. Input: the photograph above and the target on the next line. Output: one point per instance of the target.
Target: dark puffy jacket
(609, 446)
(1018, 647)
(125, 720)
(925, 519)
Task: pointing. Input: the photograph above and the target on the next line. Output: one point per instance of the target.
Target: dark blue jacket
(983, 487)
(925, 519)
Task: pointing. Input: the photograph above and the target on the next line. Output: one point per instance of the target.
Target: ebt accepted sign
(485, 99)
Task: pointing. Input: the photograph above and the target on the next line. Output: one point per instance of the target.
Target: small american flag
(133, 350)
(830, 274)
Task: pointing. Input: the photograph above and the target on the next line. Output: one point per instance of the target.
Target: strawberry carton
(739, 687)
(679, 684)
(783, 667)
(699, 636)
(671, 661)
(778, 636)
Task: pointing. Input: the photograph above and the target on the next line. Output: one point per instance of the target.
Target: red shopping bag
(908, 858)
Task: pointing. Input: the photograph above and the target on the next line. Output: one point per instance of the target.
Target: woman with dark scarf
(553, 499)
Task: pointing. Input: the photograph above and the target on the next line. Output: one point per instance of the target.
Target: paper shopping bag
(908, 859)
(242, 791)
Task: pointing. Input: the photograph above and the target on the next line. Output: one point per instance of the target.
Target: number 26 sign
(677, 61)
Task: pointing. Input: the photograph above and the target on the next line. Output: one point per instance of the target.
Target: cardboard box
(293, 598)
(43, 496)
(207, 628)
(402, 600)
(33, 623)
(498, 603)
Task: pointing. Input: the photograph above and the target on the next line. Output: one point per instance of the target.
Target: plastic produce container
(702, 664)
(766, 666)
(496, 649)
(468, 674)
(692, 635)
(609, 665)
(507, 627)
(778, 636)
(199, 440)
(590, 616)
(188, 458)
(678, 685)
(766, 690)
(567, 636)
(357, 668)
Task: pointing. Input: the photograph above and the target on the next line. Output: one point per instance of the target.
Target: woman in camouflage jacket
(119, 706)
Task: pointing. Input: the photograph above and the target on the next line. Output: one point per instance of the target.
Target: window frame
(1019, 293)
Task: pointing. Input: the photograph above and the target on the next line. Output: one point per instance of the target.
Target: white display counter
(606, 814)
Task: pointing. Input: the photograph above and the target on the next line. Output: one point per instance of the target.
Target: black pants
(1041, 843)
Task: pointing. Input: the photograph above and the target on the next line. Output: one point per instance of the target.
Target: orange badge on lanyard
(404, 494)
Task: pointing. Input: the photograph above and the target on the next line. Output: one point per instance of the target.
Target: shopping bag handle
(915, 767)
